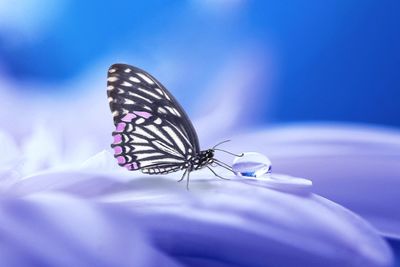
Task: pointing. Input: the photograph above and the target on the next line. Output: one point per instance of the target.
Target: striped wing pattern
(152, 133)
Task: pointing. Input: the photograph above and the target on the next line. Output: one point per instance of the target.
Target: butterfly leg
(216, 174)
(187, 180)
(183, 176)
(224, 165)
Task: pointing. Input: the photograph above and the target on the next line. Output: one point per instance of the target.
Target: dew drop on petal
(255, 168)
(251, 164)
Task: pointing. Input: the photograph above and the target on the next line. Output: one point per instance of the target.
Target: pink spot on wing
(132, 166)
(121, 160)
(128, 117)
(143, 114)
(117, 150)
(120, 127)
(117, 139)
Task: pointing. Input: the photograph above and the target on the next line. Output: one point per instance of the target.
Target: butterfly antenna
(233, 154)
(220, 143)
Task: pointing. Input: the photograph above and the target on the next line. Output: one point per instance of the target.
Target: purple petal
(56, 230)
(355, 166)
(229, 222)
(223, 221)
(10, 153)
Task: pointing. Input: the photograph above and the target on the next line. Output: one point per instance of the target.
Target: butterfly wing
(153, 133)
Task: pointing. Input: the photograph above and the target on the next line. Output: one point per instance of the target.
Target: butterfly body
(197, 162)
(206, 157)
(153, 133)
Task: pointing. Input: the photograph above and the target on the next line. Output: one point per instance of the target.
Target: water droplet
(255, 168)
(251, 164)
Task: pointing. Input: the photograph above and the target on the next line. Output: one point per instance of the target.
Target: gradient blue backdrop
(332, 60)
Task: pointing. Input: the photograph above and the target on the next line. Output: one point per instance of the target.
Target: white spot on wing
(157, 132)
(137, 148)
(110, 87)
(126, 84)
(173, 111)
(139, 96)
(159, 161)
(136, 139)
(129, 127)
(167, 149)
(177, 112)
(147, 155)
(134, 79)
(127, 70)
(111, 70)
(176, 139)
(112, 79)
(147, 107)
(157, 121)
(149, 93)
(128, 101)
(115, 113)
(139, 130)
(139, 121)
(181, 134)
(144, 77)
(161, 110)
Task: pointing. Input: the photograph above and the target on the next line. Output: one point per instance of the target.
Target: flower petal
(58, 230)
(232, 222)
(352, 165)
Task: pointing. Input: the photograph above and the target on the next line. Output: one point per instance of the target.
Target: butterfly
(153, 133)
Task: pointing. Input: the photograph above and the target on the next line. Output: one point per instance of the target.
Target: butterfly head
(209, 153)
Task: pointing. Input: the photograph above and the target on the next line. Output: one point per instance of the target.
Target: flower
(216, 223)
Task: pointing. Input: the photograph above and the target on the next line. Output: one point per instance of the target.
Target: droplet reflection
(251, 164)
(255, 168)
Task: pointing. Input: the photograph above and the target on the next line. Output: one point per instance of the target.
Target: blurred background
(292, 60)
(235, 66)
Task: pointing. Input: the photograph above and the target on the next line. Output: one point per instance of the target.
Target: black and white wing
(153, 132)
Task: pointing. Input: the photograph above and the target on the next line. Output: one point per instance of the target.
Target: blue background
(332, 60)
